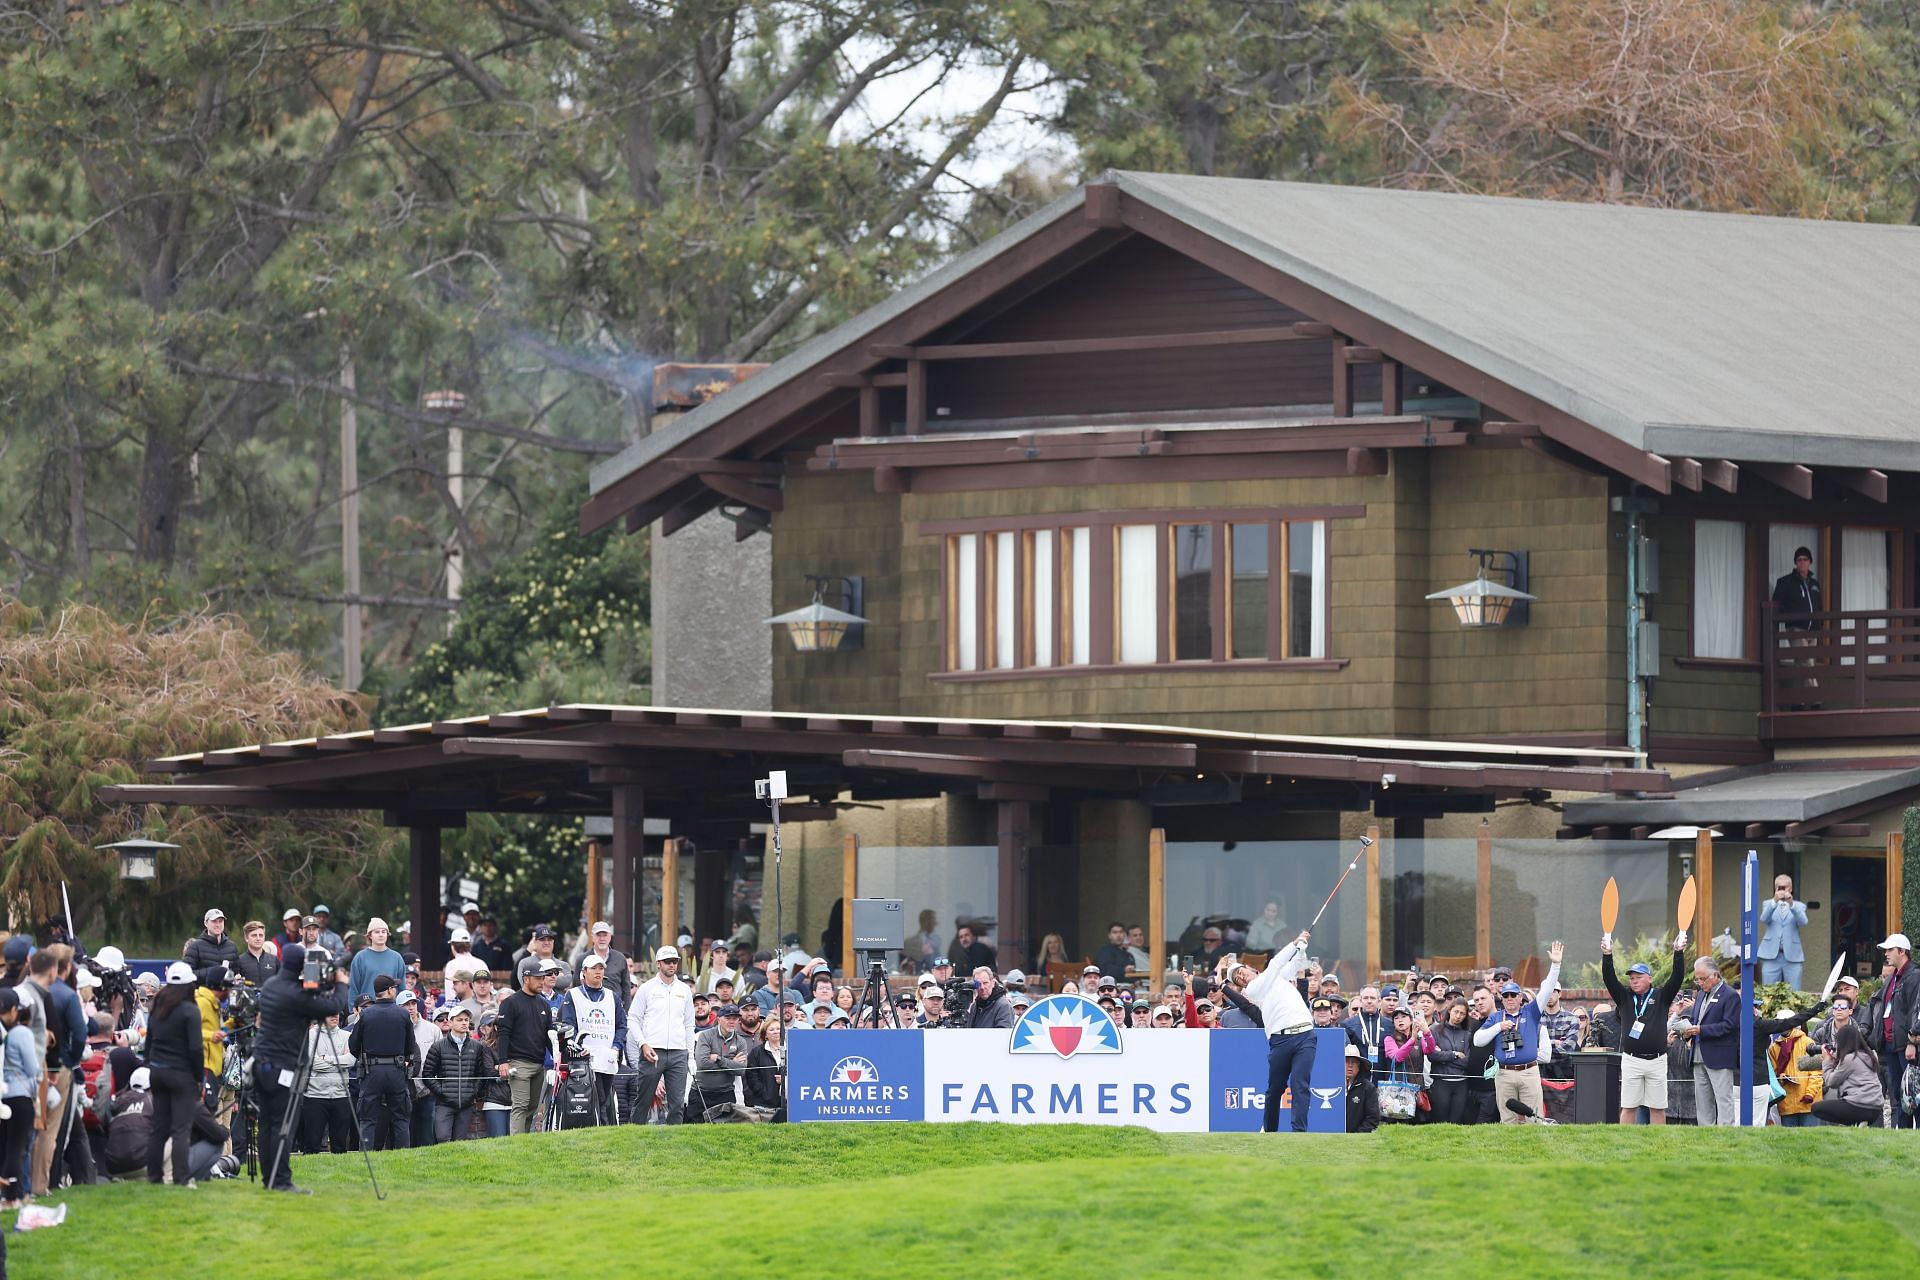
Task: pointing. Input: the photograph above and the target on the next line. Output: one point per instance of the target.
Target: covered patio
(638, 773)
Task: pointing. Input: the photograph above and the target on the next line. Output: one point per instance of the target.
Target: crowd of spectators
(108, 1073)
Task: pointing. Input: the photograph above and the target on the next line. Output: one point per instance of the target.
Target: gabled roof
(1685, 334)
(1680, 334)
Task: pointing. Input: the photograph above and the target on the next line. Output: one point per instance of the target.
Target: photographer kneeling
(293, 999)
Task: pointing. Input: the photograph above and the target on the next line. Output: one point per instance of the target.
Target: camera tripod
(290, 1123)
(878, 997)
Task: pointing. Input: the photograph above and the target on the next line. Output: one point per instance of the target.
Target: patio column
(629, 851)
(1015, 840)
(423, 895)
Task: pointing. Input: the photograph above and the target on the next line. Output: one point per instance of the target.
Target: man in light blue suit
(1783, 918)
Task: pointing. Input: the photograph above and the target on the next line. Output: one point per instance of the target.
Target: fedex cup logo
(1065, 1026)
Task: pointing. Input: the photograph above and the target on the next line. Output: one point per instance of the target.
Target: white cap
(601, 926)
(686, 939)
(592, 961)
(85, 978)
(405, 997)
(469, 906)
(141, 1078)
(1896, 940)
(179, 975)
(213, 913)
(291, 913)
(406, 926)
(459, 935)
(109, 958)
(666, 953)
(928, 980)
(145, 980)
(378, 923)
(1847, 980)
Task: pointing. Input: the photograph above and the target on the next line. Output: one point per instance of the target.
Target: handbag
(1399, 1097)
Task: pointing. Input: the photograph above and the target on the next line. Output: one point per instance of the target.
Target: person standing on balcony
(1795, 596)
(1781, 955)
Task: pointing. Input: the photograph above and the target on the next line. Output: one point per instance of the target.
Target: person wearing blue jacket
(1514, 1033)
(1714, 1027)
(1781, 955)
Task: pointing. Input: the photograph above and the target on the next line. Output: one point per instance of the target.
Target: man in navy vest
(1514, 1033)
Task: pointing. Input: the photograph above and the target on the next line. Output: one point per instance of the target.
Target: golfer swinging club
(1290, 1034)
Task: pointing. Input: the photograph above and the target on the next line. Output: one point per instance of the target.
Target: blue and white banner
(1066, 1062)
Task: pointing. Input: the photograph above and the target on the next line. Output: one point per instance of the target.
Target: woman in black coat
(174, 1061)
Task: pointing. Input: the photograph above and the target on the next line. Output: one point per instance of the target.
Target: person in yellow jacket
(1805, 1086)
(213, 1049)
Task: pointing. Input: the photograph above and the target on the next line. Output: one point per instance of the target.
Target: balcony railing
(1865, 660)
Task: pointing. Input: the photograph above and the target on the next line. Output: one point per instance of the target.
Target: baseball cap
(685, 939)
(310, 920)
(179, 975)
(444, 1012)
(213, 913)
(1161, 1011)
(666, 953)
(729, 1010)
(592, 961)
(1092, 968)
(1511, 989)
(1896, 940)
(323, 910)
(383, 983)
(942, 962)
(1848, 980)
(934, 993)
(144, 980)
(290, 913)
(1339, 1001)
(1020, 1000)
(85, 978)
(406, 926)
(483, 975)
(17, 948)
(719, 944)
(1353, 1051)
(469, 906)
(142, 1078)
(406, 997)
(1106, 982)
(762, 957)
(928, 980)
(549, 965)
(1641, 968)
(541, 931)
(1389, 993)
(601, 926)
(1323, 1003)
(459, 935)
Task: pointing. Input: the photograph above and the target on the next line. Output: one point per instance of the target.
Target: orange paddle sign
(1609, 907)
(1689, 895)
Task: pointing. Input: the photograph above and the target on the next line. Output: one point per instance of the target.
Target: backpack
(1910, 1091)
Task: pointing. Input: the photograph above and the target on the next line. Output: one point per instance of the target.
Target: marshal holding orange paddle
(1643, 1011)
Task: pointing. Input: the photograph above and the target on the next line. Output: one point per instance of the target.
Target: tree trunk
(158, 520)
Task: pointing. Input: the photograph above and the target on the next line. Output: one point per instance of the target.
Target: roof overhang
(702, 763)
(1783, 800)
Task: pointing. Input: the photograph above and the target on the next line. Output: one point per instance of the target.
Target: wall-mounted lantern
(1497, 597)
(139, 857)
(820, 627)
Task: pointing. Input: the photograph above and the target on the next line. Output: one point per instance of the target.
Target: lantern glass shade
(817, 627)
(1481, 603)
(139, 858)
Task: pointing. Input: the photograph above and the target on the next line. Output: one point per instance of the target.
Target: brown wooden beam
(856, 380)
(1087, 346)
(1791, 476)
(1156, 903)
(1862, 480)
(1483, 897)
(689, 511)
(1511, 430)
(763, 496)
(1721, 474)
(869, 411)
(1342, 382)
(760, 469)
(916, 398)
(1392, 384)
(1102, 207)
(1686, 473)
(1362, 355)
(249, 797)
(1367, 462)
(1313, 329)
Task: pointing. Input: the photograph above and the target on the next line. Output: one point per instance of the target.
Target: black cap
(1323, 1003)
(761, 957)
(292, 957)
(384, 983)
(541, 931)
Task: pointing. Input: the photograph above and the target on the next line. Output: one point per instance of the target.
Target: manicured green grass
(1003, 1200)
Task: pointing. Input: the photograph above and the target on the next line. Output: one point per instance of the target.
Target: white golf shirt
(662, 1014)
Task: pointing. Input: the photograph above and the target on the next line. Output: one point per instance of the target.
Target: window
(1192, 588)
(1719, 589)
(1136, 594)
(1192, 555)
(1248, 590)
(1866, 580)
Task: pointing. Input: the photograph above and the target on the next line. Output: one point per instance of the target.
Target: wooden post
(1896, 879)
(423, 883)
(670, 897)
(1483, 898)
(849, 890)
(1703, 886)
(1157, 903)
(629, 858)
(1014, 831)
(1372, 957)
(596, 887)
(917, 398)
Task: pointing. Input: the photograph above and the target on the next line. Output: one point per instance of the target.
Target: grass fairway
(1004, 1200)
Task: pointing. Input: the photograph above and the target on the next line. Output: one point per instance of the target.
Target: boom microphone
(1520, 1108)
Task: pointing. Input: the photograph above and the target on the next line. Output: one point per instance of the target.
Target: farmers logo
(1065, 1026)
(854, 1071)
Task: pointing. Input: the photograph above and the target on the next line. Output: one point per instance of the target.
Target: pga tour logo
(1065, 1026)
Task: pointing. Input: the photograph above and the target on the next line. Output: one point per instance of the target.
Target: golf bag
(574, 1104)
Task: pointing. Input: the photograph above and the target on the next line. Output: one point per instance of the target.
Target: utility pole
(350, 523)
(456, 488)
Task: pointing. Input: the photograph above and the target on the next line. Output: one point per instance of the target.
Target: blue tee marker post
(1749, 891)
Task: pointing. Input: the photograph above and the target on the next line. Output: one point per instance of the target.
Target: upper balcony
(1840, 676)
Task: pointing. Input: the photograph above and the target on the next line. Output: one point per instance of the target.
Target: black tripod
(290, 1123)
(879, 996)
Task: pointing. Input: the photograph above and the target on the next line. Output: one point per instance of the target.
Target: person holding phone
(1783, 917)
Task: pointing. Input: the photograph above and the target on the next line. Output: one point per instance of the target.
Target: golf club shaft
(1365, 844)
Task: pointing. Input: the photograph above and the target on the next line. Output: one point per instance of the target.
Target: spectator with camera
(1515, 1036)
(326, 1113)
(212, 946)
(1855, 1093)
(292, 1000)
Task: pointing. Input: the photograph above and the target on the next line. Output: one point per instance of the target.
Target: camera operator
(384, 1042)
(290, 1002)
(990, 1005)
